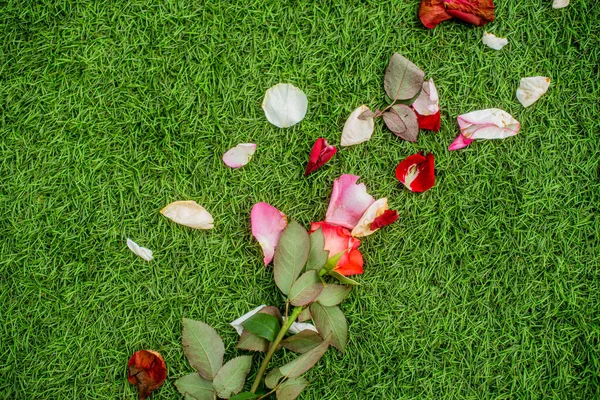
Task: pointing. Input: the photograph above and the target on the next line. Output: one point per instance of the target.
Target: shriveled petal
(385, 219)
(285, 105)
(560, 3)
(492, 123)
(460, 142)
(357, 130)
(319, 155)
(363, 228)
(239, 155)
(237, 324)
(417, 172)
(428, 101)
(146, 370)
(351, 263)
(476, 12)
(531, 89)
(139, 251)
(432, 12)
(349, 201)
(493, 41)
(188, 213)
(267, 225)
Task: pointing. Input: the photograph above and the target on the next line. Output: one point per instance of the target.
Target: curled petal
(363, 228)
(476, 12)
(237, 324)
(139, 251)
(531, 89)
(239, 155)
(285, 105)
(357, 130)
(349, 201)
(492, 123)
(493, 41)
(460, 142)
(417, 172)
(188, 213)
(267, 225)
(321, 153)
(385, 219)
(432, 12)
(428, 101)
(146, 370)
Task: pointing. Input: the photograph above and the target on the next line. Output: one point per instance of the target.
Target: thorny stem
(286, 326)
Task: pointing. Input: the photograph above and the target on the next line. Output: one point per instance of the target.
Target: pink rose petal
(460, 142)
(239, 155)
(267, 225)
(349, 201)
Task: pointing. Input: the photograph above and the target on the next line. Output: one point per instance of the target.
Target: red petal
(388, 217)
(476, 12)
(432, 12)
(426, 176)
(404, 166)
(351, 263)
(429, 122)
(146, 369)
(321, 153)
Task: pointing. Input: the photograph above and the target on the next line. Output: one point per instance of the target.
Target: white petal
(357, 130)
(239, 155)
(560, 3)
(493, 41)
(188, 213)
(531, 89)
(237, 324)
(298, 327)
(285, 105)
(138, 250)
(428, 101)
(492, 123)
(363, 228)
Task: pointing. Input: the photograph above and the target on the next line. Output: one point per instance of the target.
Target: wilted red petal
(432, 12)
(147, 370)
(476, 12)
(321, 153)
(429, 122)
(416, 172)
(387, 218)
(351, 263)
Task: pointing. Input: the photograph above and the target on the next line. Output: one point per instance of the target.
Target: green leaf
(263, 325)
(306, 361)
(273, 378)
(303, 341)
(271, 310)
(331, 321)
(304, 315)
(332, 262)
(203, 347)
(318, 255)
(291, 389)
(343, 279)
(306, 289)
(290, 256)
(251, 342)
(231, 378)
(332, 295)
(402, 120)
(194, 386)
(403, 79)
(245, 396)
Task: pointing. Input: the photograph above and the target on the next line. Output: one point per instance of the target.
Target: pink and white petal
(239, 155)
(267, 225)
(363, 228)
(349, 201)
(357, 130)
(237, 324)
(460, 142)
(428, 101)
(492, 123)
(188, 213)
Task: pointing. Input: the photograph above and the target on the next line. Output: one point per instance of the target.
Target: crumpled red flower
(476, 12)
(417, 172)
(321, 153)
(146, 370)
(337, 240)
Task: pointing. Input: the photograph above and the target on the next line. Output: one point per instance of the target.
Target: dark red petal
(147, 370)
(432, 12)
(429, 122)
(426, 177)
(405, 165)
(351, 263)
(388, 217)
(321, 153)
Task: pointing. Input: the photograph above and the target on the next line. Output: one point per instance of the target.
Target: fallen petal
(267, 225)
(432, 12)
(476, 12)
(428, 101)
(531, 89)
(237, 324)
(146, 370)
(239, 155)
(285, 105)
(492, 123)
(357, 130)
(298, 327)
(560, 3)
(140, 251)
(188, 213)
(385, 219)
(429, 122)
(493, 41)
(349, 201)
(460, 142)
(417, 172)
(363, 228)
(321, 153)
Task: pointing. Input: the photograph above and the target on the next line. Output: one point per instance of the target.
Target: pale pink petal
(493, 41)
(267, 225)
(460, 142)
(239, 155)
(428, 101)
(357, 130)
(492, 123)
(139, 251)
(188, 213)
(363, 228)
(349, 201)
(237, 324)
(531, 89)
(285, 105)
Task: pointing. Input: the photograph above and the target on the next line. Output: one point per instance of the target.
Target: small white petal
(298, 327)
(188, 213)
(285, 105)
(491, 123)
(357, 130)
(237, 324)
(363, 228)
(140, 251)
(560, 3)
(493, 41)
(428, 101)
(239, 155)
(531, 89)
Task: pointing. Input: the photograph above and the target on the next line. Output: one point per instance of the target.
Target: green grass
(487, 287)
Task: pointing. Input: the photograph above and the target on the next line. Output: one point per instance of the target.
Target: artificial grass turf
(487, 287)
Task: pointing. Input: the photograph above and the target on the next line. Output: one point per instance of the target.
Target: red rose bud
(146, 370)
(416, 172)
(385, 219)
(429, 122)
(321, 153)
